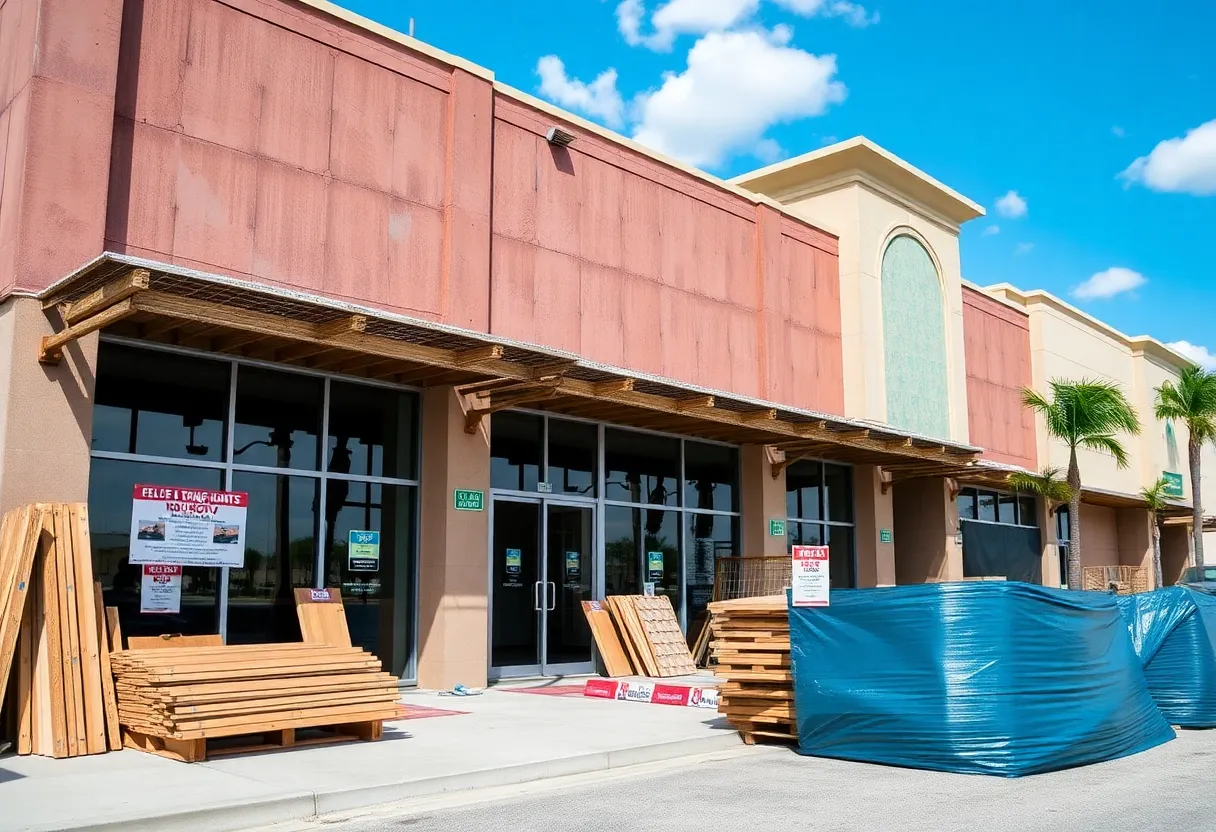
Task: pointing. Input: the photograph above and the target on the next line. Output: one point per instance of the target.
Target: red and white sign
(160, 591)
(652, 692)
(811, 581)
(189, 526)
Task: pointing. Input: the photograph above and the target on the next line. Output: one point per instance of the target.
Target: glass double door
(544, 567)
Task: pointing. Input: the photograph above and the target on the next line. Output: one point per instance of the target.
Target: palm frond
(1106, 443)
(1155, 495)
(1081, 409)
(1047, 484)
(1192, 401)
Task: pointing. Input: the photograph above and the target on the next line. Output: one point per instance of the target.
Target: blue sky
(1052, 101)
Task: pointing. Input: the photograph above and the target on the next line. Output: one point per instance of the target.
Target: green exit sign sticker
(470, 500)
(1173, 484)
(776, 528)
(885, 536)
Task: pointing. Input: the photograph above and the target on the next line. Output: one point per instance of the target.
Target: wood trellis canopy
(160, 302)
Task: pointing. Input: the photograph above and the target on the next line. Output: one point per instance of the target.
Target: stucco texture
(997, 341)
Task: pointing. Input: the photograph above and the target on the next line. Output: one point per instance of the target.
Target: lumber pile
(648, 631)
(171, 701)
(63, 694)
(322, 617)
(751, 644)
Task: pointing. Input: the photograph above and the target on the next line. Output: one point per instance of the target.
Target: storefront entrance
(544, 567)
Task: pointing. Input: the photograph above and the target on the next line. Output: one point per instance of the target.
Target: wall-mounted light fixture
(559, 137)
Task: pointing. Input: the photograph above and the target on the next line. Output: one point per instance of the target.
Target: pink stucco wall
(268, 141)
(997, 354)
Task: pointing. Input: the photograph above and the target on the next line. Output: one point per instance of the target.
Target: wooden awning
(1117, 499)
(166, 303)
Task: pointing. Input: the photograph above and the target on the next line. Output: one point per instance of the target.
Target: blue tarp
(988, 677)
(1174, 633)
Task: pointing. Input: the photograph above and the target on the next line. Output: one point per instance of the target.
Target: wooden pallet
(651, 634)
(751, 647)
(199, 750)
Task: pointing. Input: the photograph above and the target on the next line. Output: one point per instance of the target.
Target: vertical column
(1046, 519)
(453, 552)
(875, 513)
(762, 500)
(46, 413)
(1135, 529)
(926, 531)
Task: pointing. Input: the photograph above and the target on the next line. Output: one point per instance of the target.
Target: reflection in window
(987, 506)
(711, 476)
(966, 504)
(709, 537)
(1006, 509)
(111, 483)
(280, 554)
(573, 448)
(515, 451)
(840, 552)
(838, 485)
(642, 545)
(804, 491)
(1027, 511)
(641, 467)
(371, 431)
(159, 404)
(278, 419)
(805, 534)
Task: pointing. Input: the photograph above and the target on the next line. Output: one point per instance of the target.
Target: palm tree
(1084, 414)
(1192, 401)
(1155, 495)
(1046, 484)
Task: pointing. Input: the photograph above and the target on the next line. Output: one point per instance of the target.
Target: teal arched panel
(914, 340)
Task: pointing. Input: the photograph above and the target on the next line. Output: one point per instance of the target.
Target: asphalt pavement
(1171, 787)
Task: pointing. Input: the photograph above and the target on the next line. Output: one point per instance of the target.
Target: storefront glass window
(278, 418)
(160, 404)
(515, 451)
(987, 506)
(804, 490)
(838, 485)
(642, 545)
(573, 449)
(708, 537)
(371, 431)
(819, 500)
(641, 467)
(966, 504)
(711, 476)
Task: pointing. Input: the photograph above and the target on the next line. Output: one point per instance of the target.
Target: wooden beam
(237, 340)
(472, 418)
(552, 370)
(694, 403)
(898, 443)
(51, 349)
(116, 291)
(342, 326)
(619, 385)
(300, 351)
(751, 417)
(478, 354)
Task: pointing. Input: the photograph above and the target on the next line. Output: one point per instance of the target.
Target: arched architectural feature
(914, 339)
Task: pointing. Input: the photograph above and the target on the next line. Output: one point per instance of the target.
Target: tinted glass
(966, 504)
(573, 448)
(804, 490)
(641, 467)
(711, 476)
(1027, 514)
(377, 600)
(371, 431)
(160, 404)
(1007, 509)
(640, 545)
(515, 451)
(708, 537)
(840, 548)
(280, 554)
(1062, 530)
(111, 483)
(838, 482)
(278, 418)
(987, 506)
(804, 534)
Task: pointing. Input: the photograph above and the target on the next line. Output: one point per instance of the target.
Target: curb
(305, 805)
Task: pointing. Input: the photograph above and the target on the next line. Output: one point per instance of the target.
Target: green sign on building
(885, 536)
(776, 528)
(470, 500)
(1173, 484)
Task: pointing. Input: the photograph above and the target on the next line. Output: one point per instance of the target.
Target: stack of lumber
(639, 634)
(742, 577)
(63, 694)
(322, 617)
(171, 701)
(751, 643)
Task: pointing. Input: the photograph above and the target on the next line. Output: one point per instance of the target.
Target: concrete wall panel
(997, 352)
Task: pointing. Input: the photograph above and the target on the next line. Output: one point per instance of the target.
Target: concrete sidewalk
(505, 737)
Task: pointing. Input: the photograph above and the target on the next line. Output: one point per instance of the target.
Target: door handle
(536, 596)
(553, 586)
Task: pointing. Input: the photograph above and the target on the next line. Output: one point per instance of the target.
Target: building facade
(271, 247)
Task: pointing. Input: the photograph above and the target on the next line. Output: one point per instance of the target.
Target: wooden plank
(113, 732)
(113, 292)
(322, 616)
(51, 349)
(19, 538)
(69, 648)
(618, 617)
(633, 626)
(25, 678)
(114, 629)
(607, 641)
(661, 629)
(86, 616)
(176, 640)
(51, 734)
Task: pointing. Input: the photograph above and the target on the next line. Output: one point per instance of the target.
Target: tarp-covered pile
(988, 677)
(1173, 631)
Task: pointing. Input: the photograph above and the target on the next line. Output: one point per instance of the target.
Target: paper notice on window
(811, 580)
(160, 592)
(189, 526)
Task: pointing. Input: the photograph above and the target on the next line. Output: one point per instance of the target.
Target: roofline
(345, 15)
(883, 154)
(1138, 344)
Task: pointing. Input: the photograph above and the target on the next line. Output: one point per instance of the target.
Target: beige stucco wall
(1099, 536)
(867, 218)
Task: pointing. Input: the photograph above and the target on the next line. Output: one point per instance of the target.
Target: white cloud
(629, 16)
(1011, 205)
(736, 85)
(768, 151)
(1202, 356)
(1185, 165)
(853, 14)
(1023, 248)
(1114, 281)
(1118, 131)
(992, 230)
(599, 99)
